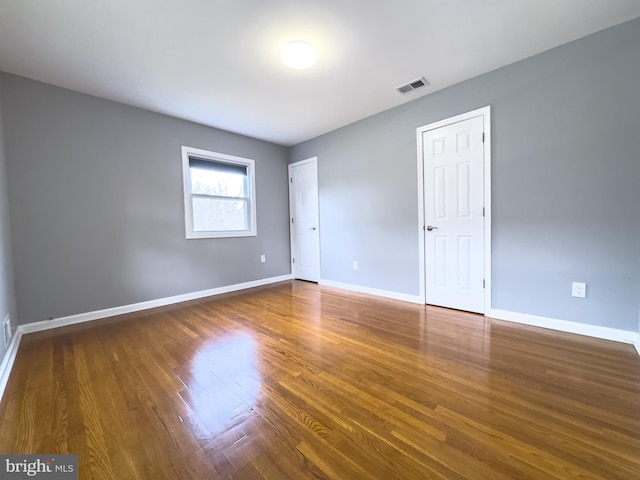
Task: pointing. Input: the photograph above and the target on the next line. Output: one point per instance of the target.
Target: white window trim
(186, 178)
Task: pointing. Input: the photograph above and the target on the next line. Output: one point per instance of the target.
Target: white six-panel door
(304, 220)
(454, 215)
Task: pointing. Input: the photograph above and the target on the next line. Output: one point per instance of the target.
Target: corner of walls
(546, 187)
(114, 216)
(7, 288)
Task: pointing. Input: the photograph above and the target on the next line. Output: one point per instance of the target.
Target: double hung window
(219, 194)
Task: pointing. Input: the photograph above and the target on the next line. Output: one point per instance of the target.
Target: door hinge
(484, 283)
(291, 178)
(483, 211)
(293, 260)
(482, 137)
(291, 219)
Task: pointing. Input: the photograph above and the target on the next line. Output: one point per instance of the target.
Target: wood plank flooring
(298, 381)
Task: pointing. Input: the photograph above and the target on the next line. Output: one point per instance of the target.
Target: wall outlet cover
(6, 330)
(579, 289)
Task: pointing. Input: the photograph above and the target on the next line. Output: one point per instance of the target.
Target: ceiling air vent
(412, 85)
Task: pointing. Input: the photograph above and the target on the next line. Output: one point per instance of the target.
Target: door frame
(292, 237)
(484, 112)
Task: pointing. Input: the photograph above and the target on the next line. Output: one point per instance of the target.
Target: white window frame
(251, 188)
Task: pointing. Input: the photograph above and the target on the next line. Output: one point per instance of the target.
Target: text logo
(50, 467)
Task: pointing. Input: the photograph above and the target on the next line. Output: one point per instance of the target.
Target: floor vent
(412, 85)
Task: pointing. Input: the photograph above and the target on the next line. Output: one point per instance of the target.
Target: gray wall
(97, 216)
(566, 183)
(7, 292)
(95, 193)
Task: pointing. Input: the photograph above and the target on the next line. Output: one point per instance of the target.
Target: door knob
(429, 228)
(313, 228)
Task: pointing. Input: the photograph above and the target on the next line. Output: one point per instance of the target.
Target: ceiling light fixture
(298, 55)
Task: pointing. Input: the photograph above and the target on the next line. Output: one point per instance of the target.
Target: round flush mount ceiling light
(298, 55)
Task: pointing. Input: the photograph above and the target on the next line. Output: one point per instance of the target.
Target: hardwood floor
(297, 381)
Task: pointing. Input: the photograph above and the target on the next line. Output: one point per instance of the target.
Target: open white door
(453, 162)
(304, 218)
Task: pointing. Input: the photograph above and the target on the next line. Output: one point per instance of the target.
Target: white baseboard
(373, 291)
(7, 361)
(544, 322)
(10, 354)
(596, 331)
(136, 307)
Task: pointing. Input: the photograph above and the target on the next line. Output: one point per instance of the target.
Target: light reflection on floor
(225, 383)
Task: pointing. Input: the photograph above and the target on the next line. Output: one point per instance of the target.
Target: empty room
(320, 240)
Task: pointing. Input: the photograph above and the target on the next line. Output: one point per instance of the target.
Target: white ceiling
(217, 62)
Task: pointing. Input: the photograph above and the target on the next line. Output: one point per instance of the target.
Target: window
(219, 194)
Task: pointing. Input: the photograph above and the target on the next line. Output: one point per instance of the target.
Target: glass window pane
(219, 214)
(219, 194)
(211, 182)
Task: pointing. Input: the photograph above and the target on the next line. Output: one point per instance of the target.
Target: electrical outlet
(263, 259)
(6, 330)
(355, 264)
(579, 289)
